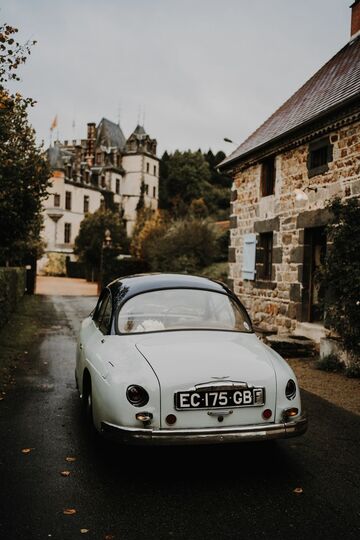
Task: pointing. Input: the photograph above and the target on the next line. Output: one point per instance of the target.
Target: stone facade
(297, 205)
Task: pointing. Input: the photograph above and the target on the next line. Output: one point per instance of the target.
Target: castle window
(268, 174)
(103, 183)
(67, 233)
(67, 200)
(117, 186)
(319, 156)
(56, 199)
(147, 167)
(154, 192)
(154, 170)
(147, 189)
(86, 203)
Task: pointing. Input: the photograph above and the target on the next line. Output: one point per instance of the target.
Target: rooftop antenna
(143, 123)
(138, 116)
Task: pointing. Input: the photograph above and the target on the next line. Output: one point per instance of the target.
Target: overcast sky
(200, 70)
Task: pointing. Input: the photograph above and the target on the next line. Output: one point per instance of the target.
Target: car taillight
(290, 390)
(137, 395)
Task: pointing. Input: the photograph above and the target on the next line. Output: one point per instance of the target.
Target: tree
(341, 273)
(177, 246)
(24, 172)
(186, 177)
(89, 241)
(190, 176)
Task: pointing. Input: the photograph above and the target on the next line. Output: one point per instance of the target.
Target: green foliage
(218, 271)
(341, 273)
(330, 363)
(353, 371)
(183, 246)
(124, 267)
(12, 288)
(24, 172)
(91, 237)
(188, 176)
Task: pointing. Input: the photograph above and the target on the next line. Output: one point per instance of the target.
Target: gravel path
(334, 387)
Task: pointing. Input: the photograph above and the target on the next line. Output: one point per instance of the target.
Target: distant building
(284, 174)
(105, 170)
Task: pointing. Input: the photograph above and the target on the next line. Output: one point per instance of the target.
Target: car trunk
(182, 360)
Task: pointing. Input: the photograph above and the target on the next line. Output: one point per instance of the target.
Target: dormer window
(268, 175)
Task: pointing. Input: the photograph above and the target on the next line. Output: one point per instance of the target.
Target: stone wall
(276, 305)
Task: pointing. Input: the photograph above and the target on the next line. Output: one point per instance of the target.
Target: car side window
(106, 316)
(103, 309)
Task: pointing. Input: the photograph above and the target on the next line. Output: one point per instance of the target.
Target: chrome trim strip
(256, 432)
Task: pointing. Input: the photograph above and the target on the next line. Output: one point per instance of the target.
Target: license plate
(218, 399)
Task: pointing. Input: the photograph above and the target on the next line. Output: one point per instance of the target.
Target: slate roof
(139, 130)
(334, 85)
(109, 134)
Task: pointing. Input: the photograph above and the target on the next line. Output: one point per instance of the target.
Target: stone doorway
(314, 255)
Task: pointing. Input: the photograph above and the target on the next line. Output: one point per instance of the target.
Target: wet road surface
(236, 491)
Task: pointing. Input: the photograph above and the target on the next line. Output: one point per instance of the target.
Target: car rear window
(181, 309)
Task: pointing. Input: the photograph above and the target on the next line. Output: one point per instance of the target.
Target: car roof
(128, 286)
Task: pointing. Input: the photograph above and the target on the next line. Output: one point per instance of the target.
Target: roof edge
(227, 163)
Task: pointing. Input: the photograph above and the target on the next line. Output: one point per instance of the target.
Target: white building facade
(103, 170)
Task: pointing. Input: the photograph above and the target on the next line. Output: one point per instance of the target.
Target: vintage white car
(173, 359)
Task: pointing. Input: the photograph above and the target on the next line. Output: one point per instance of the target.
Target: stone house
(284, 174)
(105, 169)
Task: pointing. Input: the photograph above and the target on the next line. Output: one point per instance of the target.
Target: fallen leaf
(1, 399)
(69, 511)
(65, 473)
(70, 459)
(84, 531)
(27, 450)
(298, 490)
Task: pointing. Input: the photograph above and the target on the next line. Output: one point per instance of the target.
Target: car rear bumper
(263, 432)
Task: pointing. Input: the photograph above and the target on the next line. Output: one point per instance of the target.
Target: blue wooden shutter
(249, 255)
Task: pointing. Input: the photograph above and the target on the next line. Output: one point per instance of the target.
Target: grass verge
(18, 336)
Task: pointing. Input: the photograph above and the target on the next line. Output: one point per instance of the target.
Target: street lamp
(106, 243)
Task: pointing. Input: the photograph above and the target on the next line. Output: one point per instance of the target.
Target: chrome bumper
(264, 432)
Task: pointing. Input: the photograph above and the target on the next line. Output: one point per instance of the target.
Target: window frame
(67, 233)
(265, 256)
(317, 146)
(268, 176)
(68, 200)
(100, 309)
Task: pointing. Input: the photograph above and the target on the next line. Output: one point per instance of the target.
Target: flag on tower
(54, 123)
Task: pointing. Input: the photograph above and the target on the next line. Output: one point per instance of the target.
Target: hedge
(12, 289)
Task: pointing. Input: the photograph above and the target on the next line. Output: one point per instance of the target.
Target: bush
(330, 363)
(341, 274)
(56, 265)
(125, 267)
(353, 371)
(12, 288)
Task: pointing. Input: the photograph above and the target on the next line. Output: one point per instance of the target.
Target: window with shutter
(249, 256)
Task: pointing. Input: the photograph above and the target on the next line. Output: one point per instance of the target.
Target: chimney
(90, 143)
(355, 18)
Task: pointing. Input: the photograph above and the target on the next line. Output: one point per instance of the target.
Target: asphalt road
(236, 491)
